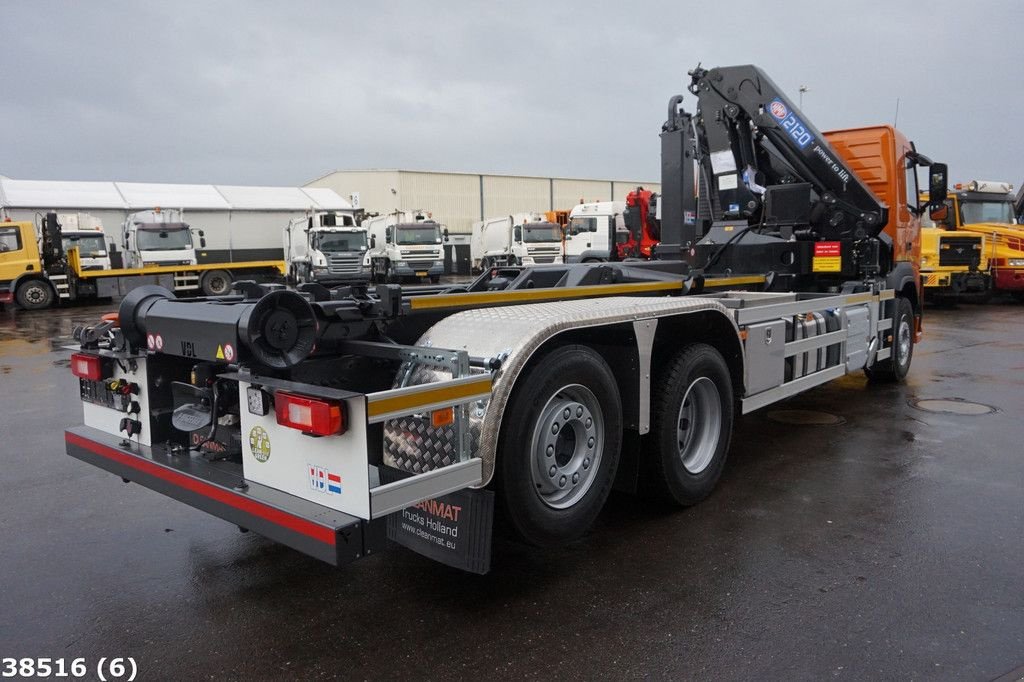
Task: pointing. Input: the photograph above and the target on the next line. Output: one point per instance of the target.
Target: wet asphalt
(890, 545)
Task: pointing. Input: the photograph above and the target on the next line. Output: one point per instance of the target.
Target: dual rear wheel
(559, 447)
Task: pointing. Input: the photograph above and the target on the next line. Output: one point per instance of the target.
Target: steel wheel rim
(35, 294)
(567, 446)
(903, 340)
(699, 425)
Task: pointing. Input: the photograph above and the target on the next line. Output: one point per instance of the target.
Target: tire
(691, 426)
(435, 279)
(389, 275)
(35, 294)
(897, 365)
(216, 283)
(545, 508)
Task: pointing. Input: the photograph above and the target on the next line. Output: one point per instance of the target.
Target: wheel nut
(551, 450)
(579, 411)
(566, 413)
(561, 482)
(552, 471)
(586, 463)
(554, 428)
(589, 422)
(590, 442)
(575, 479)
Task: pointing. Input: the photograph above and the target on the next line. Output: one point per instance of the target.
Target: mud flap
(454, 529)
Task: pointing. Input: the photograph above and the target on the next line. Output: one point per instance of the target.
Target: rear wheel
(897, 365)
(559, 446)
(692, 425)
(216, 283)
(34, 294)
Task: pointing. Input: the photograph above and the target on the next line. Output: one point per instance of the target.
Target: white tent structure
(240, 222)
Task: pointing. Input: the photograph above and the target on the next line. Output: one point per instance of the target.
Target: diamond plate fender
(515, 332)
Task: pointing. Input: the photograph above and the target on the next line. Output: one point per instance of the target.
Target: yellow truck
(953, 261)
(986, 208)
(36, 272)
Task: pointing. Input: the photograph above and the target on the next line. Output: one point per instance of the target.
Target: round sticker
(150, 342)
(159, 342)
(779, 110)
(229, 352)
(259, 443)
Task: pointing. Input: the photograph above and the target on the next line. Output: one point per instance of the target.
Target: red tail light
(90, 367)
(310, 415)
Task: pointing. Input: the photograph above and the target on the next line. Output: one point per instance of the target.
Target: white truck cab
(158, 237)
(593, 230)
(405, 244)
(85, 232)
(323, 246)
(519, 239)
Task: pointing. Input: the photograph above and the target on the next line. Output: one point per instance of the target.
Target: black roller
(132, 311)
(279, 330)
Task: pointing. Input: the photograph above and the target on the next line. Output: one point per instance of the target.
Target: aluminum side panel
(518, 331)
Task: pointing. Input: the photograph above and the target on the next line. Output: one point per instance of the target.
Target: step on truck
(338, 420)
(519, 239)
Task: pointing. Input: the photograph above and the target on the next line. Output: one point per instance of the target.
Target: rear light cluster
(315, 416)
(91, 367)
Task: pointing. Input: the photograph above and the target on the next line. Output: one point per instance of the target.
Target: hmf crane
(332, 420)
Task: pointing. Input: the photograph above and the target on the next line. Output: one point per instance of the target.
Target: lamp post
(803, 89)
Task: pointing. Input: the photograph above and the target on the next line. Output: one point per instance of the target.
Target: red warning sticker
(827, 257)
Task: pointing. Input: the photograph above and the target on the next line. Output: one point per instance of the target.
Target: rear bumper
(1008, 279)
(218, 489)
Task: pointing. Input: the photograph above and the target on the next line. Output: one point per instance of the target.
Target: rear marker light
(442, 417)
(315, 416)
(89, 367)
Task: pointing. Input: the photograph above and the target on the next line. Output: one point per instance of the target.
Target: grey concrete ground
(887, 546)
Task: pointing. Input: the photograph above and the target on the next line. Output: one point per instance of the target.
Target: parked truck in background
(85, 232)
(986, 208)
(594, 230)
(325, 247)
(536, 388)
(954, 263)
(405, 245)
(37, 271)
(519, 239)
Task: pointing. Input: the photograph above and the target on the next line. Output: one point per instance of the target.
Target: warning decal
(827, 257)
(220, 352)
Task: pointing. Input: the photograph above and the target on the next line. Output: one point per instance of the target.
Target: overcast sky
(280, 93)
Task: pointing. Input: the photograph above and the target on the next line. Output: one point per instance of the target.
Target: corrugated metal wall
(460, 199)
(505, 195)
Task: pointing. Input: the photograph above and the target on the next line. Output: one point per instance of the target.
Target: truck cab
(85, 232)
(593, 231)
(20, 262)
(325, 247)
(953, 261)
(520, 239)
(405, 244)
(986, 208)
(158, 237)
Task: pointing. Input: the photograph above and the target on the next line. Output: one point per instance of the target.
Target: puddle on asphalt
(805, 418)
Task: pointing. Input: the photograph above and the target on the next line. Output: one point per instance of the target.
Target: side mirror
(113, 247)
(373, 241)
(445, 234)
(939, 214)
(517, 233)
(938, 184)
(202, 242)
(387, 234)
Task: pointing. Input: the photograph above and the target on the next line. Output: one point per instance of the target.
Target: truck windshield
(580, 224)
(89, 245)
(986, 212)
(541, 232)
(407, 235)
(156, 239)
(335, 242)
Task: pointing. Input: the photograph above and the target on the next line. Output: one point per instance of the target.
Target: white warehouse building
(239, 222)
(460, 199)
